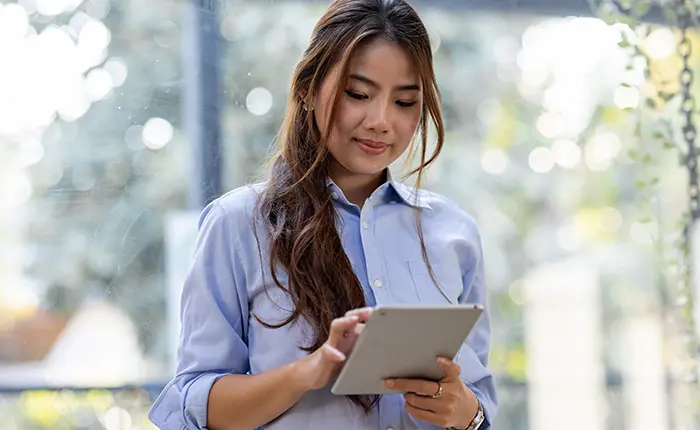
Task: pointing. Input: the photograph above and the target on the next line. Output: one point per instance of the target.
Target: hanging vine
(678, 292)
(686, 15)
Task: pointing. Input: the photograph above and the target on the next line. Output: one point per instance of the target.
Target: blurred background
(119, 118)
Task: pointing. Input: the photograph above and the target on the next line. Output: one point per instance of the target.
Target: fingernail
(389, 383)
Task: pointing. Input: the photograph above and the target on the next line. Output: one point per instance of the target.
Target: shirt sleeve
(214, 316)
(474, 354)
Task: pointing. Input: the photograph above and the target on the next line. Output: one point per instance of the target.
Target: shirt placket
(389, 410)
(373, 261)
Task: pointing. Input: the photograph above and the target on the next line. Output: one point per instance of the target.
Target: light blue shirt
(225, 286)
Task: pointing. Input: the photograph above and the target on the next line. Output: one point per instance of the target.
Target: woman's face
(378, 113)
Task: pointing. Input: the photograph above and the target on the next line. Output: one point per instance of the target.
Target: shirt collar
(391, 191)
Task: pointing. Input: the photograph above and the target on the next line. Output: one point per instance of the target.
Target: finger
(422, 402)
(340, 326)
(421, 414)
(358, 328)
(450, 369)
(362, 314)
(332, 354)
(418, 386)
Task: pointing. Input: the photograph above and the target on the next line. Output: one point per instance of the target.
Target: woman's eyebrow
(371, 83)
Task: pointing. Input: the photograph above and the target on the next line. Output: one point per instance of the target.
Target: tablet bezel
(447, 327)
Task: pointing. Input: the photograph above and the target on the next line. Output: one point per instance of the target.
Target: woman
(285, 272)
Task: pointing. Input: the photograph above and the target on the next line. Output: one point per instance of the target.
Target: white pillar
(695, 268)
(563, 344)
(16, 295)
(690, 414)
(180, 238)
(643, 372)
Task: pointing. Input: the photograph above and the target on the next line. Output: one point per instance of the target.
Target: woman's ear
(306, 102)
(304, 96)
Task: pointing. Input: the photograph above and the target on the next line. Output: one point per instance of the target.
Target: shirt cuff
(485, 404)
(184, 406)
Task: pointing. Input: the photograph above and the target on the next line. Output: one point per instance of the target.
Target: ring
(439, 391)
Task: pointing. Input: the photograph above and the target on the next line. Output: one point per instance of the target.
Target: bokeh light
(541, 160)
(660, 43)
(118, 70)
(259, 101)
(494, 161)
(566, 153)
(626, 97)
(157, 133)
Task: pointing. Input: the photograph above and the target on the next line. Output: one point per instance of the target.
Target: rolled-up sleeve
(474, 354)
(214, 316)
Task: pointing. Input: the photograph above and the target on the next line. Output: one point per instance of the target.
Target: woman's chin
(361, 165)
(367, 170)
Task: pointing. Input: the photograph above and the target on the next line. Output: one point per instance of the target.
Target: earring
(306, 108)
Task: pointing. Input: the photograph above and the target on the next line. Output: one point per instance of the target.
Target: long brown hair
(296, 205)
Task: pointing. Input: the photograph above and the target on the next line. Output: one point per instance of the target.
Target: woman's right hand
(324, 364)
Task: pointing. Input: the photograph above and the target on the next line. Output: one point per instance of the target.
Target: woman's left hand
(453, 406)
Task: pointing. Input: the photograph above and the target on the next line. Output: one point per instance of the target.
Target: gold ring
(439, 391)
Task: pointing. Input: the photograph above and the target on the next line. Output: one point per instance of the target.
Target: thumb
(450, 369)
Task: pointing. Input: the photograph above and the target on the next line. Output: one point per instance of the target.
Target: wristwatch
(478, 419)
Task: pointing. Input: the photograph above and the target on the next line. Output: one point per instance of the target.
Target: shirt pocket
(449, 282)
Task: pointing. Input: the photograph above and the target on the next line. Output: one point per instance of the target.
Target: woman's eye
(355, 95)
(358, 96)
(405, 104)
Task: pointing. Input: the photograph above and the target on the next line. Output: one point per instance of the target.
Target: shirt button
(334, 195)
(365, 225)
(378, 283)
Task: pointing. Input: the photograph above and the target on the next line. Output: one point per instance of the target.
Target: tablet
(404, 342)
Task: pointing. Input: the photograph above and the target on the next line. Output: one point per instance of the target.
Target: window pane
(93, 163)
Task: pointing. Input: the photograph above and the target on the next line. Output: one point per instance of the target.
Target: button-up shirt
(228, 282)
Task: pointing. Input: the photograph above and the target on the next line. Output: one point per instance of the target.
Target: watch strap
(479, 418)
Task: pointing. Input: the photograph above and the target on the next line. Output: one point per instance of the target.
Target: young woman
(284, 272)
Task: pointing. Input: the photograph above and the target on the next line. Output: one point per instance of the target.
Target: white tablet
(404, 342)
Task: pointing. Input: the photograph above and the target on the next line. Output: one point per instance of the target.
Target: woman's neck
(356, 187)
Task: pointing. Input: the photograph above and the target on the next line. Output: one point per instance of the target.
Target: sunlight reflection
(601, 150)
(494, 161)
(117, 418)
(117, 68)
(660, 44)
(549, 124)
(626, 97)
(259, 101)
(157, 133)
(98, 84)
(567, 154)
(541, 160)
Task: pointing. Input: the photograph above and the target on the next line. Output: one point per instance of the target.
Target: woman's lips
(371, 147)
